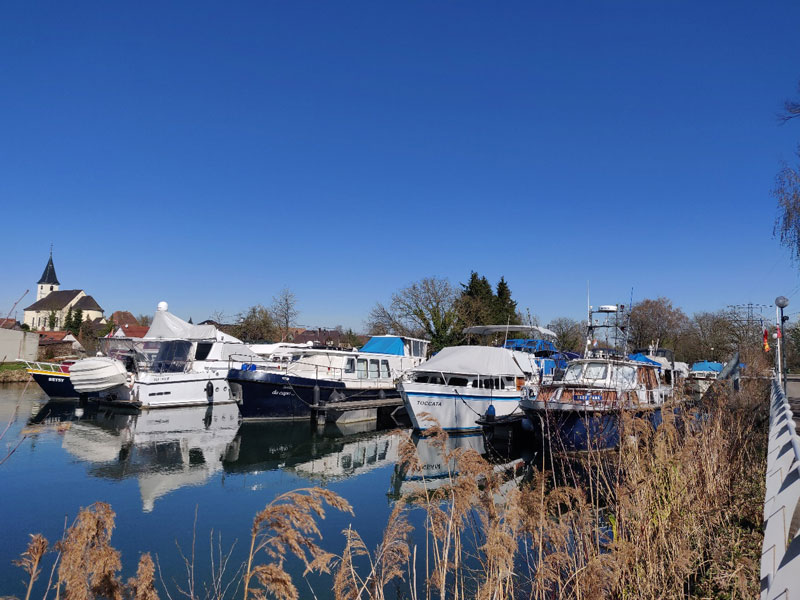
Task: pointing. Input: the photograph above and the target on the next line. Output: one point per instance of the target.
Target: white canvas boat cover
(483, 360)
(166, 326)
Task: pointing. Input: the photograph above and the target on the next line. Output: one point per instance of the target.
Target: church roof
(49, 275)
(55, 300)
(87, 303)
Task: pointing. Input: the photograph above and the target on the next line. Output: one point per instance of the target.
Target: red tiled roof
(52, 336)
(123, 317)
(135, 331)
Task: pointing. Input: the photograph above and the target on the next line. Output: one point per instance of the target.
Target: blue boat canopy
(639, 357)
(385, 345)
(707, 365)
(530, 345)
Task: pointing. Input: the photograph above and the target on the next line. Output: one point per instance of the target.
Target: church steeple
(48, 282)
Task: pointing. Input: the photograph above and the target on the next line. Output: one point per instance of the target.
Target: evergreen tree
(476, 303)
(68, 320)
(77, 321)
(51, 320)
(505, 309)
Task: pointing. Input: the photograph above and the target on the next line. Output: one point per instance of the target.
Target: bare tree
(657, 322)
(569, 334)
(425, 308)
(787, 193)
(284, 311)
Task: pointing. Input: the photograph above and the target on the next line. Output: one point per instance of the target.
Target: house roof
(49, 274)
(52, 336)
(8, 323)
(55, 300)
(123, 318)
(131, 331)
(87, 303)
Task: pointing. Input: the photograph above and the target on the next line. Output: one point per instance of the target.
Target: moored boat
(460, 384)
(288, 389)
(583, 410)
(175, 364)
(53, 377)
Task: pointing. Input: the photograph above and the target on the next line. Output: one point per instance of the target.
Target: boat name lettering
(429, 402)
(589, 397)
(56, 379)
(281, 393)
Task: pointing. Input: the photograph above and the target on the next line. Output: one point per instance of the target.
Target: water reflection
(335, 453)
(439, 463)
(164, 450)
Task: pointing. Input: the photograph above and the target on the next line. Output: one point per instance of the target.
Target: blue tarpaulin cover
(639, 357)
(707, 365)
(385, 345)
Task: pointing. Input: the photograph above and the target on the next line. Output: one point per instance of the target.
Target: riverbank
(14, 373)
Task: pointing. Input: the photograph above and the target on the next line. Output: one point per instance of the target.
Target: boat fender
(209, 389)
(131, 379)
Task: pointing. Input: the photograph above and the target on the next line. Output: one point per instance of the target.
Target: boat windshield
(172, 356)
(594, 371)
(573, 373)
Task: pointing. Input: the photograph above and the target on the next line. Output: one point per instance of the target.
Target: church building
(52, 300)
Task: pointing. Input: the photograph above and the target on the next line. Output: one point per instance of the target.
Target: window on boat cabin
(624, 377)
(350, 365)
(573, 373)
(373, 368)
(421, 378)
(385, 369)
(362, 368)
(417, 348)
(509, 383)
(203, 348)
(436, 379)
(596, 371)
(457, 380)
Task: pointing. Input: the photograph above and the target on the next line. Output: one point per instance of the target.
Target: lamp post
(781, 302)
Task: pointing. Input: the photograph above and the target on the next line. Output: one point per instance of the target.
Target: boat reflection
(164, 450)
(439, 463)
(335, 453)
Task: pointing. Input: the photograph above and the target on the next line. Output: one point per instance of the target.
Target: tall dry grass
(674, 513)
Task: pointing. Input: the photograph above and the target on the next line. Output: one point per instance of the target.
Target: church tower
(48, 282)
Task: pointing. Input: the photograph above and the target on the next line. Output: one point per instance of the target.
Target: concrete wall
(18, 344)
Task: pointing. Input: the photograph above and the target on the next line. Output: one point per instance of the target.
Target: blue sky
(210, 154)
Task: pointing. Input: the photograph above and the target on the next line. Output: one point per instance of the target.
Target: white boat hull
(454, 408)
(155, 390)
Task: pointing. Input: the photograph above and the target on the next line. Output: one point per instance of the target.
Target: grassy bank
(675, 513)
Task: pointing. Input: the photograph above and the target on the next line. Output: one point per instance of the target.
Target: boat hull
(271, 396)
(573, 428)
(57, 385)
(454, 408)
(154, 390)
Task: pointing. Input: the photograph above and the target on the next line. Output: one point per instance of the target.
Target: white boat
(175, 364)
(457, 386)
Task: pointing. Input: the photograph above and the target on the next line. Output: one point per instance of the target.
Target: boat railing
(45, 366)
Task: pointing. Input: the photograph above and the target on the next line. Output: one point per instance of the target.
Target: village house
(50, 300)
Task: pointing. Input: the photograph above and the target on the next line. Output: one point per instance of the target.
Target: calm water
(156, 468)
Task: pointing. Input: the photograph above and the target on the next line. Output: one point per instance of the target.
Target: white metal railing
(45, 366)
(780, 555)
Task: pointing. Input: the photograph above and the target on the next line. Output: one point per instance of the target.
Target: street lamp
(781, 302)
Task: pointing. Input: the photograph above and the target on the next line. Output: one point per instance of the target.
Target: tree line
(435, 309)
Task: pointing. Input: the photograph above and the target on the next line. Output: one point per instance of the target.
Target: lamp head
(781, 302)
